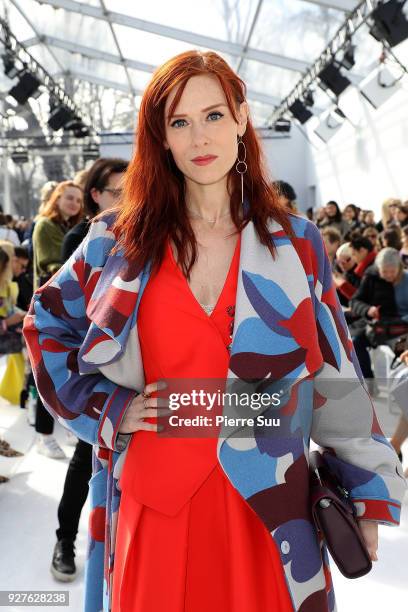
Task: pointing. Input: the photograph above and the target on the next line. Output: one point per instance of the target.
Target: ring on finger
(146, 394)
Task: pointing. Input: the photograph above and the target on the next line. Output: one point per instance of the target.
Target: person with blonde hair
(389, 209)
(62, 211)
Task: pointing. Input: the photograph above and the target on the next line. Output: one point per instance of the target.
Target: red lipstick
(204, 160)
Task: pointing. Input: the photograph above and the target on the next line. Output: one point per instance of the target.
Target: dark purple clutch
(334, 516)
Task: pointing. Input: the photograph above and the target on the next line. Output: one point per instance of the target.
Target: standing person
(201, 274)
(102, 190)
(62, 211)
(10, 317)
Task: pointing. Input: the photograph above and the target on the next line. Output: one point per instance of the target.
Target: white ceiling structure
(116, 44)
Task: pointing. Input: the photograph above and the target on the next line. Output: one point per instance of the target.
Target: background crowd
(369, 259)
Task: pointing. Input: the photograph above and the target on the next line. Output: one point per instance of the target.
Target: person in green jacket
(63, 211)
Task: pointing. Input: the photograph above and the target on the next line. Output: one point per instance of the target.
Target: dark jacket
(73, 239)
(374, 291)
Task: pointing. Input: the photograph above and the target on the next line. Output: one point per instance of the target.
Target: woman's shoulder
(45, 224)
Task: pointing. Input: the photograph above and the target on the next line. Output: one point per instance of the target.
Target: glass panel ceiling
(80, 40)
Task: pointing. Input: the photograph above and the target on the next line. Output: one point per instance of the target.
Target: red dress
(187, 541)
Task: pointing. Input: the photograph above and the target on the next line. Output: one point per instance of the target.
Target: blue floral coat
(82, 338)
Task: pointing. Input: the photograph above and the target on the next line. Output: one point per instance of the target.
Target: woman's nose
(199, 135)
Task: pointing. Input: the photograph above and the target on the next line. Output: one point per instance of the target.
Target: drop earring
(241, 166)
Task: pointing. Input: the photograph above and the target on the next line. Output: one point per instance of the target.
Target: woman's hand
(404, 357)
(143, 407)
(369, 529)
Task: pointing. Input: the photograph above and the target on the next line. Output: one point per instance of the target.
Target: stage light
(10, 68)
(59, 117)
(300, 112)
(308, 98)
(330, 123)
(26, 87)
(90, 152)
(379, 86)
(389, 23)
(348, 60)
(282, 125)
(19, 156)
(331, 78)
(77, 126)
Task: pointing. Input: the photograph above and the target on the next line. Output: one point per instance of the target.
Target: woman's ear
(242, 118)
(166, 146)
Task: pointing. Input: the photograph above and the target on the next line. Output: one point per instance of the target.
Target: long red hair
(153, 206)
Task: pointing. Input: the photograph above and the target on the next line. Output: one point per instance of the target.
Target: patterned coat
(82, 337)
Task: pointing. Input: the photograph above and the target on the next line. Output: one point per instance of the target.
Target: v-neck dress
(186, 540)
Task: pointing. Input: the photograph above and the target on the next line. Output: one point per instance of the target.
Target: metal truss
(234, 49)
(91, 53)
(21, 55)
(347, 6)
(342, 37)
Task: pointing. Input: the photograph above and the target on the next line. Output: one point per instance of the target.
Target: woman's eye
(216, 114)
(177, 122)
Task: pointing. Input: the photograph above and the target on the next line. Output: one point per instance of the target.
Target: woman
(201, 275)
(402, 215)
(335, 219)
(382, 294)
(59, 214)
(389, 210)
(391, 238)
(351, 215)
(372, 234)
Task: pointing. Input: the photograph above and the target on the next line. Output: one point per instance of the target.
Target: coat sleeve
(344, 420)
(360, 302)
(47, 246)
(91, 405)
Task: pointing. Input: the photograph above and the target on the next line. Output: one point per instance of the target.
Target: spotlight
(282, 125)
(19, 156)
(90, 152)
(10, 68)
(378, 86)
(348, 60)
(308, 98)
(26, 87)
(331, 78)
(331, 122)
(390, 23)
(77, 126)
(59, 117)
(300, 112)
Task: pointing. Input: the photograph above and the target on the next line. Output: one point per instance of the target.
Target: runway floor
(28, 511)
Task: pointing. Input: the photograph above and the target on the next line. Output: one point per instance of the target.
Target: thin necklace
(198, 216)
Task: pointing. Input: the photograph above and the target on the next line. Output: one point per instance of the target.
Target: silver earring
(241, 166)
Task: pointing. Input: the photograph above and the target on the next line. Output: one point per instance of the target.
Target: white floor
(28, 511)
